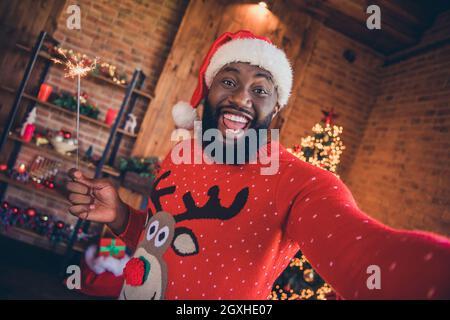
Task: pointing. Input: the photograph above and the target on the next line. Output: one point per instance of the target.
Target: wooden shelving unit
(38, 240)
(49, 150)
(54, 107)
(132, 91)
(47, 56)
(44, 192)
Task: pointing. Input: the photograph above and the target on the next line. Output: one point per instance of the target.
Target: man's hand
(96, 200)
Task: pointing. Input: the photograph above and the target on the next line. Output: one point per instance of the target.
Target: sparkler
(76, 66)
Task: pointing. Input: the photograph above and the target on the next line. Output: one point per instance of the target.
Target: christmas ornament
(63, 142)
(309, 275)
(31, 212)
(41, 140)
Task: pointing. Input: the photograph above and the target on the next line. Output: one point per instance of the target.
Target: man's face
(241, 96)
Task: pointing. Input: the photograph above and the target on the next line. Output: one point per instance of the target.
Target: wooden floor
(27, 272)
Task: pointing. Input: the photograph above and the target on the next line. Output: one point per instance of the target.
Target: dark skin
(245, 90)
(240, 89)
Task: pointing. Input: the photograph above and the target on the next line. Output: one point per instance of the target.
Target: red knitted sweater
(253, 225)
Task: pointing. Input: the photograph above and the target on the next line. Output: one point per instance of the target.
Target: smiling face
(241, 96)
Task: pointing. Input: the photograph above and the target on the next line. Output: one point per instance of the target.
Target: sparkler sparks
(76, 66)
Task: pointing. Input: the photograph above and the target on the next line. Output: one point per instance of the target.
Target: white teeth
(235, 118)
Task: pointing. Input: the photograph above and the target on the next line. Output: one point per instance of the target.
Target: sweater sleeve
(135, 226)
(138, 218)
(357, 255)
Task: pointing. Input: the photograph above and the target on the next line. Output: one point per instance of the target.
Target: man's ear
(277, 109)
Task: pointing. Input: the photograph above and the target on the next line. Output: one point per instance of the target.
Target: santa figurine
(227, 229)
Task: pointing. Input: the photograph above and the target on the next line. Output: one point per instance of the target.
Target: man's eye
(261, 91)
(228, 83)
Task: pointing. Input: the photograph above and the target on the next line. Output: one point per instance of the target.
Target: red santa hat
(241, 46)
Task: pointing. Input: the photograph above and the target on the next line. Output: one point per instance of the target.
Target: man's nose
(241, 98)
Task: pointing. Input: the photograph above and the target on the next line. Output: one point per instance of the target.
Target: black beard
(210, 120)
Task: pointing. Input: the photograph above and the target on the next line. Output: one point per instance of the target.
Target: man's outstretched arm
(360, 257)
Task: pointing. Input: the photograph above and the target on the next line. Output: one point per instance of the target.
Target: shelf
(47, 56)
(48, 150)
(38, 240)
(68, 112)
(45, 192)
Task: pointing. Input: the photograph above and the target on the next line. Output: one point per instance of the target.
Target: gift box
(112, 247)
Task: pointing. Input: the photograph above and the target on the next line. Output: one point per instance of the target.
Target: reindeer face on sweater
(146, 273)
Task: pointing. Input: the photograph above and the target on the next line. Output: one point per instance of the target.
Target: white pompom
(184, 115)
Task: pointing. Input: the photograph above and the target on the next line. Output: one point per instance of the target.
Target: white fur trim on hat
(259, 53)
(184, 115)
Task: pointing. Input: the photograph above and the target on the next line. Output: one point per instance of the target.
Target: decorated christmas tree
(299, 281)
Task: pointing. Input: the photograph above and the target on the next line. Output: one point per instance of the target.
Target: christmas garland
(46, 225)
(145, 167)
(69, 102)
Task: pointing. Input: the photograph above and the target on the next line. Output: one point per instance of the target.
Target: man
(225, 230)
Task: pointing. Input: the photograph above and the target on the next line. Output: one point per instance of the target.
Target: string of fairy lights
(302, 265)
(323, 149)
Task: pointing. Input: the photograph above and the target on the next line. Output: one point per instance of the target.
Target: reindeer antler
(156, 194)
(212, 209)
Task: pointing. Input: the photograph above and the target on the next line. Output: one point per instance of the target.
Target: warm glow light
(21, 168)
(263, 4)
(76, 67)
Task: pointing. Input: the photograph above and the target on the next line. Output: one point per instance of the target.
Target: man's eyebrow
(259, 74)
(230, 69)
(264, 75)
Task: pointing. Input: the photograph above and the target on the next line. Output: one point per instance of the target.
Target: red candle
(110, 116)
(21, 168)
(44, 92)
(28, 133)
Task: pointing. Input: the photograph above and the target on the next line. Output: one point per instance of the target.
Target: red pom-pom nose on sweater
(136, 271)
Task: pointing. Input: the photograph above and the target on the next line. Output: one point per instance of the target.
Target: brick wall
(130, 34)
(331, 81)
(400, 173)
